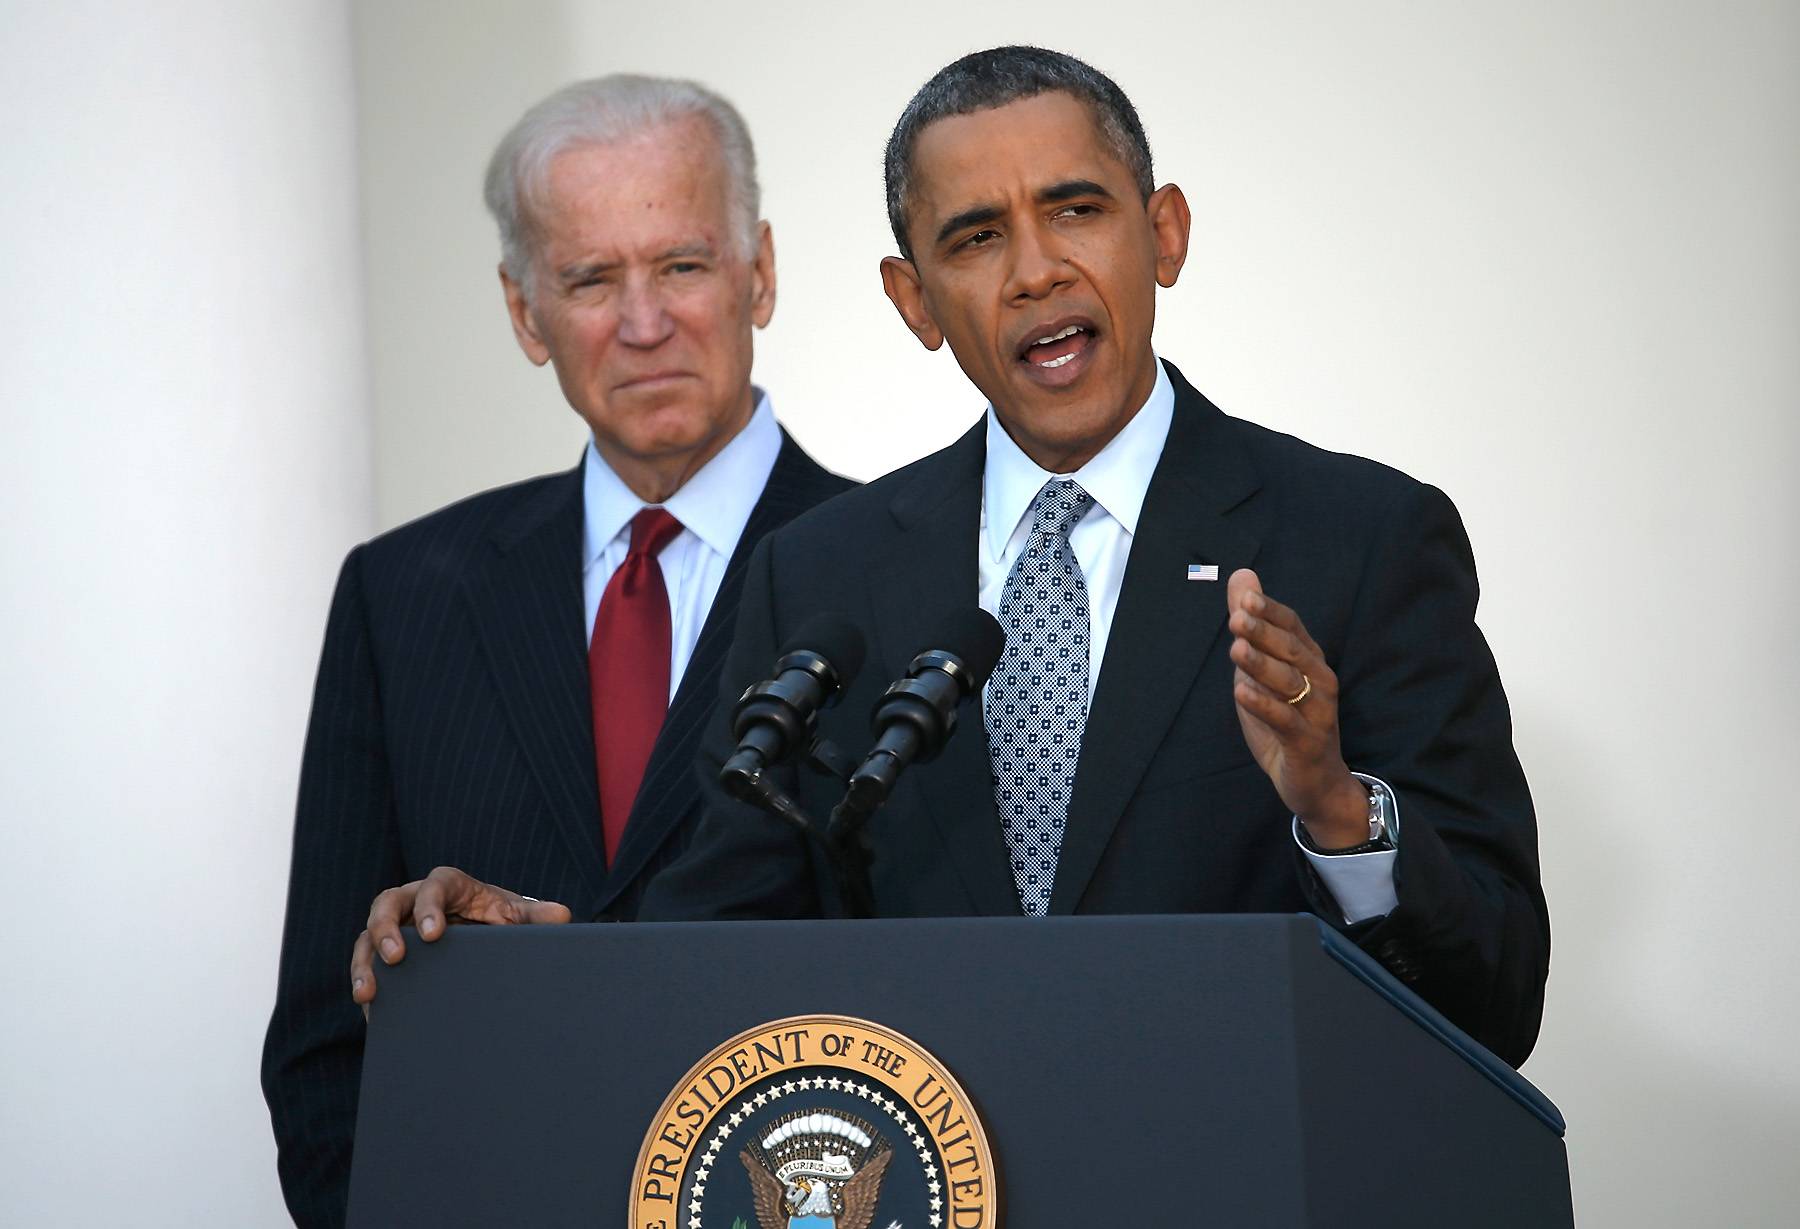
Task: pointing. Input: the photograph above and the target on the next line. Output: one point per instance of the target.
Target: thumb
(1240, 586)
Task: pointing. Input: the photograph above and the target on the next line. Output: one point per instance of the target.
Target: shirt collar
(715, 504)
(1117, 476)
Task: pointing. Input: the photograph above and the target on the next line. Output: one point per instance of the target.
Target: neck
(655, 479)
(1063, 460)
(1067, 456)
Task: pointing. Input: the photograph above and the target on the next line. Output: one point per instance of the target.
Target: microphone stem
(756, 789)
(847, 845)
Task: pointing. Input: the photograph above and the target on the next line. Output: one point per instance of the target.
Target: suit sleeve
(1421, 707)
(346, 849)
(742, 863)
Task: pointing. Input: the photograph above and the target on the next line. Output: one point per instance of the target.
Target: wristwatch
(1381, 822)
(1381, 813)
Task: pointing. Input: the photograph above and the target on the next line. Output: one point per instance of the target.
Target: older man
(496, 675)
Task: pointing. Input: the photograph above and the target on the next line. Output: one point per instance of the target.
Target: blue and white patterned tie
(1036, 703)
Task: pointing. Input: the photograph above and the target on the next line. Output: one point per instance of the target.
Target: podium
(1159, 1071)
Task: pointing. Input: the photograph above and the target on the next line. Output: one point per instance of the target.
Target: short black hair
(983, 80)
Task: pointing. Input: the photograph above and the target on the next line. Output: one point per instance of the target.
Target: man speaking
(516, 684)
(1241, 674)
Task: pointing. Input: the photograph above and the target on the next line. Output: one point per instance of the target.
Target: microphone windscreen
(833, 637)
(975, 637)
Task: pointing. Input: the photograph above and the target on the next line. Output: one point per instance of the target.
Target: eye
(687, 266)
(1076, 211)
(980, 238)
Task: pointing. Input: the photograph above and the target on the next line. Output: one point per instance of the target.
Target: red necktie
(628, 670)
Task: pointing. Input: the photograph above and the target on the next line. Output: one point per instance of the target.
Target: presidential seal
(816, 1122)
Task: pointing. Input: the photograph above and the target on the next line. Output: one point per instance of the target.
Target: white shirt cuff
(1362, 884)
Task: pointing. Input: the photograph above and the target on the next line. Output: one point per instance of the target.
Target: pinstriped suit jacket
(451, 725)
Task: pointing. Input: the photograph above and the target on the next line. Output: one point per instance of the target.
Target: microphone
(917, 715)
(773, 720)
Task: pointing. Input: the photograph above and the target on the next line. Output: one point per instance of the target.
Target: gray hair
(603, 111)
(984, 80)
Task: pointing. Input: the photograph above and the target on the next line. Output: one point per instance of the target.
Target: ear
(524, 327)
(762, 277)
(901, 281)
(1169, 222)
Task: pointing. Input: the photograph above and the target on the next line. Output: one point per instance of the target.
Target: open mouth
(1053, 354)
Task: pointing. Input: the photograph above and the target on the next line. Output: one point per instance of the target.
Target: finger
(543, 912)
(451, 895)
(429, 909)
(392, 910)
(1281, 678)
(1267, 609)
(1283, 719)
(1240, 679)
(1311, 697)
(1276, 641)
(362, 970)
(1240, 586)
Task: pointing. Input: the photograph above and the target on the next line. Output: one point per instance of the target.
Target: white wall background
(185, 456)
(1545, 255)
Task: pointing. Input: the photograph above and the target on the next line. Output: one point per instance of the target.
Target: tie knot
(651, 530)
(1059, 506)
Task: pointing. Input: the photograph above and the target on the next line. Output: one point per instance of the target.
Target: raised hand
(1287, 704)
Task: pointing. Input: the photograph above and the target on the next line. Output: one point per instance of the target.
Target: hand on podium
(445, 896)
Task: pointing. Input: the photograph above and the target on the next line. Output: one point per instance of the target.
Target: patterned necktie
(628, 670)
(1036, 702)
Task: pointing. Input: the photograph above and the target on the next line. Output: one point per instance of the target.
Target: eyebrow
(977, 216)
(681, 251)
(570, 274)
(1069, 189)
(1056, 193)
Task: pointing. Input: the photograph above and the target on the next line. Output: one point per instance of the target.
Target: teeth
(1057, 362)
(1068, 332)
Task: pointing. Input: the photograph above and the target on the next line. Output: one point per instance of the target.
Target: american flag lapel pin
(1203, 571)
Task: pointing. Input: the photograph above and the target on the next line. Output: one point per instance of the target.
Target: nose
(644, 320)
(1040, 265)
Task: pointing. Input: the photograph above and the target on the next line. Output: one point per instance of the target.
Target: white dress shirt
(713, 507)
(1118, 478)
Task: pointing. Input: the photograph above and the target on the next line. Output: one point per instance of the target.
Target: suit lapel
(1164, 626)
(527, 608)
(671, 788)
(927, 576)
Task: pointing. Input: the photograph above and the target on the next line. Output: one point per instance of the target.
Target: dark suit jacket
(451, 726)
(1169, 813)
